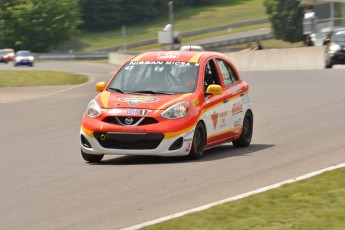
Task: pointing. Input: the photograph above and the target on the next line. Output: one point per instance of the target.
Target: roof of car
(192, 47)
(181, 56)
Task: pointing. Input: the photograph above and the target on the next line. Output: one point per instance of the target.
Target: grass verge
(185, 19)
(9, 78)
(316, 203)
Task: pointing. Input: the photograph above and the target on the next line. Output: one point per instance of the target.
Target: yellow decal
(87, 132)
(137, 58)
(172, 101)
(105, 98)
(195, 58)
(195, 101)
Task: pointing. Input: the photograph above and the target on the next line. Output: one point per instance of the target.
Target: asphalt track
(45, 184)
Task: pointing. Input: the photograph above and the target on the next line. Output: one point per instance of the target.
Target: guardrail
(72, 56)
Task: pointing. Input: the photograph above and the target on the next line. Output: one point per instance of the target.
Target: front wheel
(91, 158)
(328, 64)
(247, 132)
(198, 144)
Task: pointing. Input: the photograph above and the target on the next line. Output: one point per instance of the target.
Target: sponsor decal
(172, 54)
(114, 111)
(132, 63)
(131, 111)
(223, 114)
(188, 146)
(133, 101)
(143, 112)
(237, 108)
(125, 129)
(222, 117)
(214, 117)
(238, 122)
(179, 63)
(188, 140)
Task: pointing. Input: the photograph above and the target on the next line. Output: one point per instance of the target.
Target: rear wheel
(247, 132)
(91, 158)
(198, 144)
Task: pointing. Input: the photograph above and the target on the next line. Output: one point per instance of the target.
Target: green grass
(186, 19)
(317, 203)
(9, 78)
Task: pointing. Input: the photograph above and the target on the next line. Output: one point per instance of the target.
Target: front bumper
(338, 57)
(24, 62)
(115, 143)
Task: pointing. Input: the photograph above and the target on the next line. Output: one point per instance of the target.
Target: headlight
(31, 58)
(334, 48)
(176, 111)
(93, 109)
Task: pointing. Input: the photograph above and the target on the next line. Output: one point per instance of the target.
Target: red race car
(168, 103)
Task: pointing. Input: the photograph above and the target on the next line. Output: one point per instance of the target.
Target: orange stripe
(225, 131)
(175, 134)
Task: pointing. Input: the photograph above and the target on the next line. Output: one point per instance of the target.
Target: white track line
(234, 197)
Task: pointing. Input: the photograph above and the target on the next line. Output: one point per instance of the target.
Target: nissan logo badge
(129, 120)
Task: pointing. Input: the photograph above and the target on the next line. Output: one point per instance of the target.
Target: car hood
(109, 100)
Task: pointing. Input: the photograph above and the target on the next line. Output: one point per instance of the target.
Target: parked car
(24, 57)
(3, 57)
(168, 103)
(335, 48)
(191, 48)
(9, 54)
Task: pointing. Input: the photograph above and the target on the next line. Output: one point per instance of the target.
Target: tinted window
(228, 73)
(339, 36)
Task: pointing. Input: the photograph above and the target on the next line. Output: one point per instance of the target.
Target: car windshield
(24, 53)
(7, 51)
(156, 77)
(339, 36)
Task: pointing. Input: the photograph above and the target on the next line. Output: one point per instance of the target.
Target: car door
(216, 115)
(233, 88)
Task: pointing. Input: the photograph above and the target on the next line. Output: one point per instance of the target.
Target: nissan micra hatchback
(168, 103)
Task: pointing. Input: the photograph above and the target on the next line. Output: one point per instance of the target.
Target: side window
(210, 74)
(228, 73)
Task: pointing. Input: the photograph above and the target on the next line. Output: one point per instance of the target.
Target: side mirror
(100, 86)
(214, 90)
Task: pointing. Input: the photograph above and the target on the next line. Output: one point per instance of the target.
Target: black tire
(92, 158)
(198, 143)
(247, 132)
(328, 64)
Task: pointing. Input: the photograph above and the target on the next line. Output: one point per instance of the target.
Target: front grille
(138, 121)
(128, 140)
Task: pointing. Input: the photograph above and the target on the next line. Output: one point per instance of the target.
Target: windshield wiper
(151, 92)
(116, 90)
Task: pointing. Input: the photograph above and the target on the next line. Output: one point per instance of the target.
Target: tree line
(40, 25)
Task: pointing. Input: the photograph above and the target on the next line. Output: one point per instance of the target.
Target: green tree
(37, 25)
(100, 16)
(286, 17)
